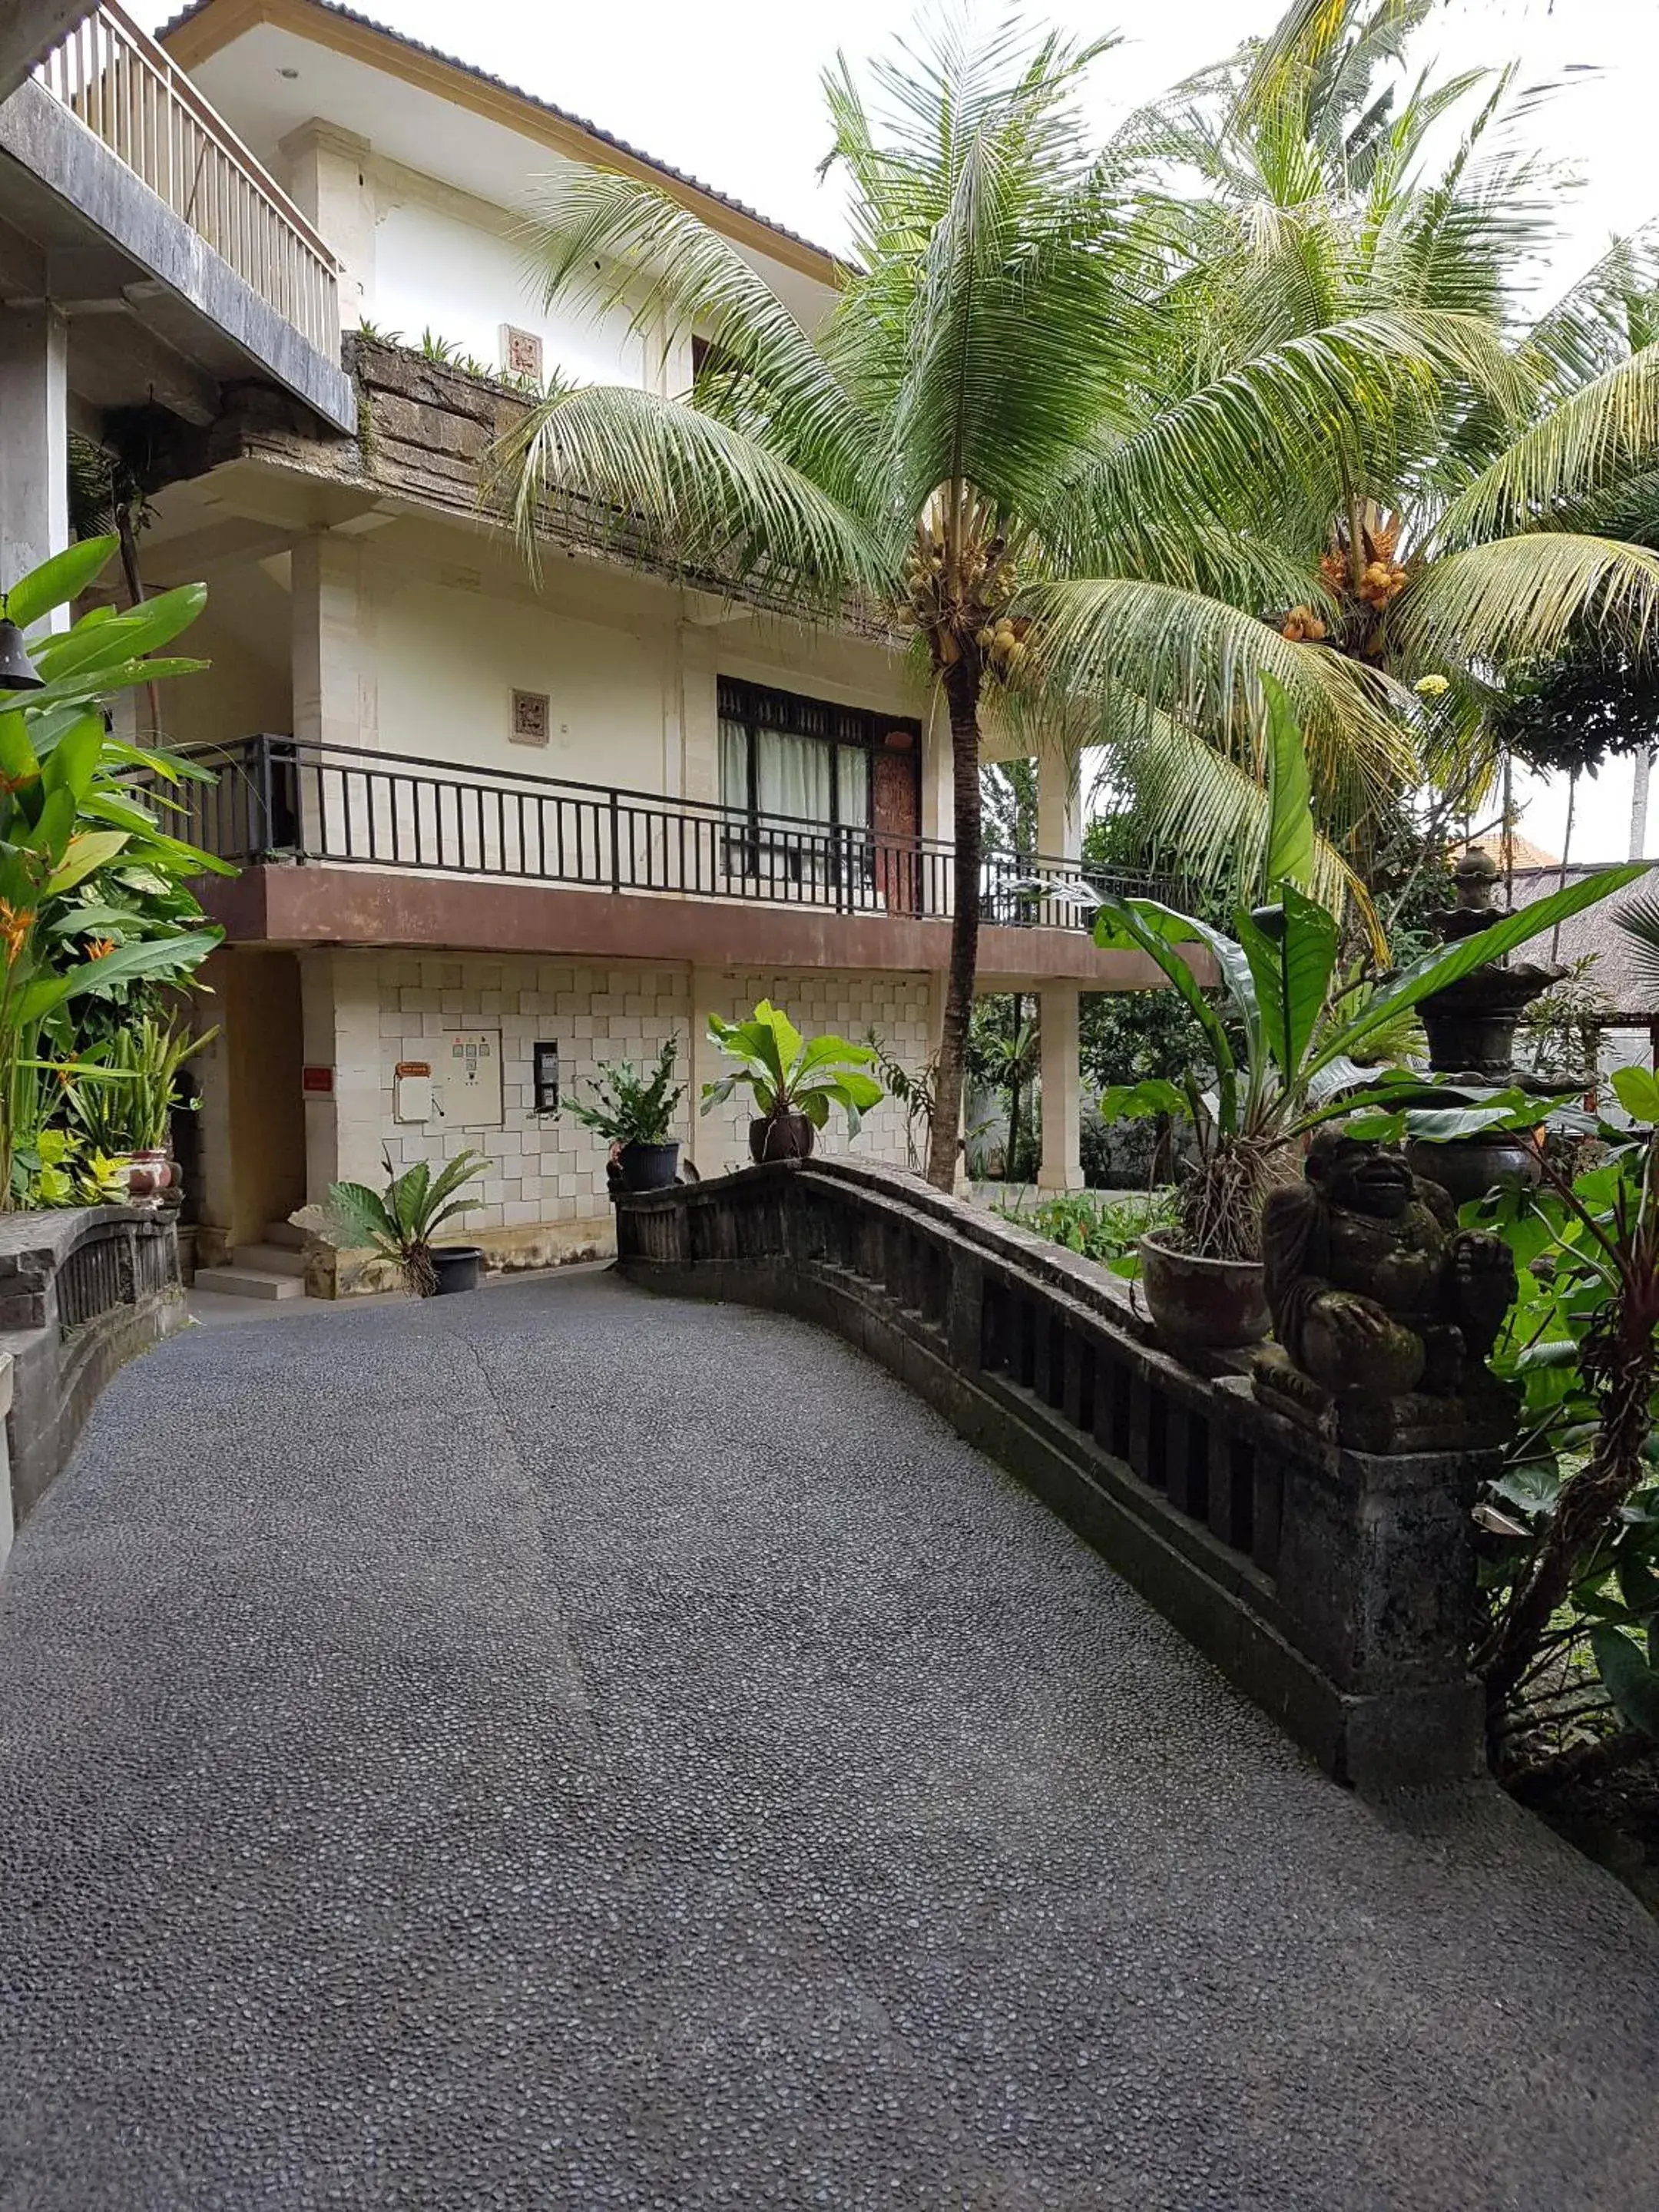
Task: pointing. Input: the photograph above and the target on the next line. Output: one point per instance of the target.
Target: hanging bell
(17, 672)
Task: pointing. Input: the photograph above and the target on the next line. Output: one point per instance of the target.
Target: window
(798, 771)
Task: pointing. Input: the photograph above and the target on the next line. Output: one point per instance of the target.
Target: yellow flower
(1432, 687)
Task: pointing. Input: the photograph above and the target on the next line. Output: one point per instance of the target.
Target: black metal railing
(277, 799)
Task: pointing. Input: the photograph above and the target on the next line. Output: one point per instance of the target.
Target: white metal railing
(129, 93)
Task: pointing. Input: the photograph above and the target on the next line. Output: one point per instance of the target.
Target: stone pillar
(34, 441)
(1060, 837)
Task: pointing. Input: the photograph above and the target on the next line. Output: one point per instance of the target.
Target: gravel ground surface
(562, 1748)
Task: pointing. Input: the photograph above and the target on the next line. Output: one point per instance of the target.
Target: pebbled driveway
(563, 1748)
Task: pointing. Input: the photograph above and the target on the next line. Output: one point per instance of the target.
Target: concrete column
(336, 686)
(1062, 1104)
(1060, 837)
(34, 441)
(327, 175)
(1060, 812)
(341, 1015)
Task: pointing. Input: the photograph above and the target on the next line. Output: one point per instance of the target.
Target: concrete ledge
(82, 1291)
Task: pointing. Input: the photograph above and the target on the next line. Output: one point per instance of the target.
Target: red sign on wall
(316, 1082)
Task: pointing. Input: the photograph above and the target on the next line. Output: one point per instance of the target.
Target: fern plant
(633, 1106)
(401, 1223)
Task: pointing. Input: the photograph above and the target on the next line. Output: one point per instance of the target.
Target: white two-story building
(495, 829)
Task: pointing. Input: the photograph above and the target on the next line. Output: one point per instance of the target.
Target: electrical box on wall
(469, 1080)
(411, 1090)
(545, 1060)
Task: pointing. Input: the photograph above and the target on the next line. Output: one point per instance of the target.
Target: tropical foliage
(1292, 1043)
(401, 1222)
(787, 1073)
(1571, 1571)
(630, 1105)
(994, 447)
(92, 887)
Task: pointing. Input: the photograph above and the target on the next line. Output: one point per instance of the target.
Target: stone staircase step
(269, 1258)
(285, 1234)
(250, 1283)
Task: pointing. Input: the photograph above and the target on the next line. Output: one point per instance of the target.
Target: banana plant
(788, 1074)
(1284, 1035)
(67, 817)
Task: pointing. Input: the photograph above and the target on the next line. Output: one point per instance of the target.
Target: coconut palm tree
(980, 455)
(1478, 526)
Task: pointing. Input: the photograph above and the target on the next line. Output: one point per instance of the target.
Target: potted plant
(124, 1101)
(1287, 1041)
(794, 1081)
(635, 1110)
(401, 1224)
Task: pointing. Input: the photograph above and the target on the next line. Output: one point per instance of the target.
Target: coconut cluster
(1302, 625)
(953, 603)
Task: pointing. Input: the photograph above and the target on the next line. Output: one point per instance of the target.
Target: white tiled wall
(552, 1169)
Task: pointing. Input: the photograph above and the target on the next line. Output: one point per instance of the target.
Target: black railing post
(262, 839)
(616, 842)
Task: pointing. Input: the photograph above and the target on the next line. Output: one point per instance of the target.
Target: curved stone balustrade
(1334, 1587)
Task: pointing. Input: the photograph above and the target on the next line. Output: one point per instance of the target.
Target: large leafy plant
(1285, 1038)
(125, 1101)
(1572, 1526)
(69, 821)
(630, 1105)
(400, 1222)
(788, 1074)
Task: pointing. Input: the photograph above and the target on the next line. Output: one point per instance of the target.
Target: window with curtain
(798, 771)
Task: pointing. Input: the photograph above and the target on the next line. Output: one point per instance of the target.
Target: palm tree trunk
(962, 696)
(1638, 803)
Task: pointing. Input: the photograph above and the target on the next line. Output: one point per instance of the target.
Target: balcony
(179, 262)
(353, 846)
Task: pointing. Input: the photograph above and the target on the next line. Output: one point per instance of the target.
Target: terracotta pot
(149, 1174)
(781, 1137)
(1203, 1305)
(649, 1167)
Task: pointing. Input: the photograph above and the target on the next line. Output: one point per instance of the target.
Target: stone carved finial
(1384, 1311)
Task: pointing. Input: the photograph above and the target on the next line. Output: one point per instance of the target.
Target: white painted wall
(459, 270)
(450, 660)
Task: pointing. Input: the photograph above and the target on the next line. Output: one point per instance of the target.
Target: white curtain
(734, 766)
(793, 775)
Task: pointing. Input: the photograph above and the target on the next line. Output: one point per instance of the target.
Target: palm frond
(1517, 598)
(1578, 448)
(660, 478)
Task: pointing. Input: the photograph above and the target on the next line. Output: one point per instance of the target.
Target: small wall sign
(521, 352)
(316, 1082)
(531, 717)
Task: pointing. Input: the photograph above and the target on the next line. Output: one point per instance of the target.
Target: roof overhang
(208, 30)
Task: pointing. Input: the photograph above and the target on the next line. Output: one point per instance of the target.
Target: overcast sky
(729, 91)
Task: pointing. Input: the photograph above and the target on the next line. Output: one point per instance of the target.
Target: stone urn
(1199, 1304)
